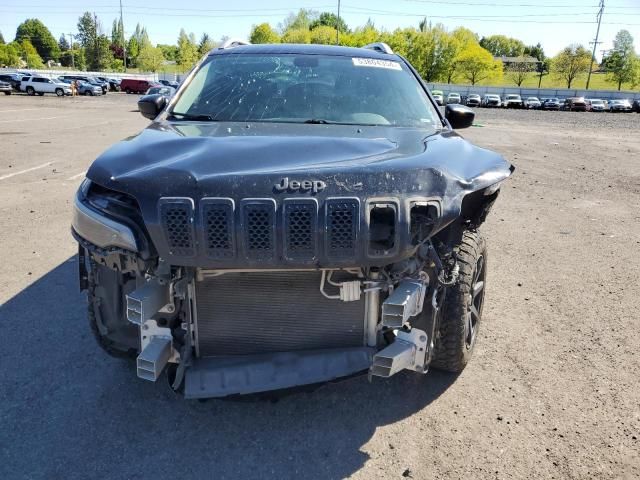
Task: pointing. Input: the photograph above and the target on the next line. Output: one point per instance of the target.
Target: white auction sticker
(376, 62)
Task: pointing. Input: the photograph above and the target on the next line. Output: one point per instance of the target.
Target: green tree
(2, 42)
(476, 64)
(299, 21)
(63, 44)
(29, 54)
(263, 33)
(206, 44)
(535, 51)
(501, 45)
(297, 35)
(170, 52)
(133, 49)
(622, 63)
(40, 37)
(328, 19)
(97, 54)
(117, 33)
(150, 59)
(571, 62)
(323, 35)
(9, 56)
(187, 50)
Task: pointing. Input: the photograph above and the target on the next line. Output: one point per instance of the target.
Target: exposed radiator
(247, 313)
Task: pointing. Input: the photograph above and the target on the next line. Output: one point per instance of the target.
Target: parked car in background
(473, 100)
(620, 105)
(574, 104)
(636, 105)
(6, 88)
(595, 105)
(453, 97)
(161, 90)
(133, 85)
(42, 85)
(12, 79)
(114, 83)
(169, 83)
(86, 88)
(513, 100)
(439, 100)
(491, 100)
(551, 104)
(532, 103)
(92, 80)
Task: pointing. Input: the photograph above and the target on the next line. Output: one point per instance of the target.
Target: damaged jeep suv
(292, 215)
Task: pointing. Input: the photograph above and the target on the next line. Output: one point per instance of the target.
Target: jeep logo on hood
(314, 186)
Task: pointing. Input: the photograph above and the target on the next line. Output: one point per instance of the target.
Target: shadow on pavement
(67, 410)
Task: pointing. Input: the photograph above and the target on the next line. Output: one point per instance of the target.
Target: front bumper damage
(207, 374)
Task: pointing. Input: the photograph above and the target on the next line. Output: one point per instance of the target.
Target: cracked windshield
(306, 89)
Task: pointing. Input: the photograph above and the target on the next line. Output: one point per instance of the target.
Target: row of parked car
(86, 85)
(513, 100)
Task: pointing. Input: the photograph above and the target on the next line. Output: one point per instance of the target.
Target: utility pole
(73, 60)
(124, 43)
(595, 42)
(338, 26)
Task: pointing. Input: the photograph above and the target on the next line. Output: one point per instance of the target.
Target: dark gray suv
(292, 215)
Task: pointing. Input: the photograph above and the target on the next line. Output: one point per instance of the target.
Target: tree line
(439, 55)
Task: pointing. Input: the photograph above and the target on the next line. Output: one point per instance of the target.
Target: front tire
(59, 92)
(461, 312)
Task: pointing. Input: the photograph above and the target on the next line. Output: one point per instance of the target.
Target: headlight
(100, 230)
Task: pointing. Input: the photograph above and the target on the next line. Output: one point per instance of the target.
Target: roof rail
(233, 42)
(379, 47)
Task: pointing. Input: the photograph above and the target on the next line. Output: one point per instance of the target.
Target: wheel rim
(476, 300)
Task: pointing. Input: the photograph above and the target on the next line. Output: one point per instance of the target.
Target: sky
(554, 23)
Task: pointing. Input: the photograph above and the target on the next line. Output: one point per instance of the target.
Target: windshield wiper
(188, 116)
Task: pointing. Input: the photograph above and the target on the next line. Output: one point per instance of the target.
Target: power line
(595, 42)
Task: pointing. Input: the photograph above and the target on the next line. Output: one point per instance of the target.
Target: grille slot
(259, 229)
(300, 223)
(250, 313)
(342, 228)
(218, 225)
(176, 215)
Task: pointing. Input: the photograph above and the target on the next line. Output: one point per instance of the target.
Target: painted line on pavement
(4, 177)
(32, 119)
(77, 176)
(20, 110)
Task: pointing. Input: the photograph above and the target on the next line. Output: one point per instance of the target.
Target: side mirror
(151, 105)
(459, 116)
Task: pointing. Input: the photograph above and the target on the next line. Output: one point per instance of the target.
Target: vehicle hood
(237, 158)
(242, 161)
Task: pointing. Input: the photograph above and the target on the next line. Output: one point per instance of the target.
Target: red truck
(132, 85)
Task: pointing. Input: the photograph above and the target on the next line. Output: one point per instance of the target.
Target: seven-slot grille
(304, 227)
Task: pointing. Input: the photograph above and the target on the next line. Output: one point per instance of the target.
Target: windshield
(306, 89)
(513, 97)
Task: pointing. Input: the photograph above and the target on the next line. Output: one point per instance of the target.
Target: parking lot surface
(552, 391)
